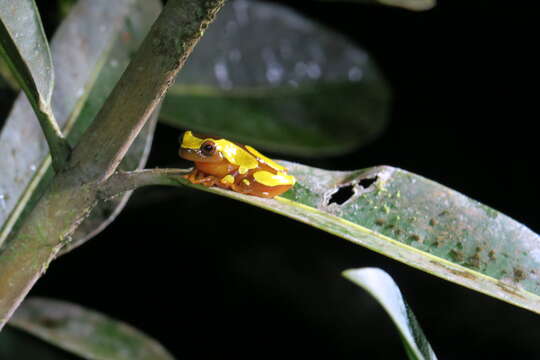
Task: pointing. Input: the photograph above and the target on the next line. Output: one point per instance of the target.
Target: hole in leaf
(341, 195)
(367, 182)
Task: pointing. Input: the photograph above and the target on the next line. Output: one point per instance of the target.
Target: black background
(211, 277)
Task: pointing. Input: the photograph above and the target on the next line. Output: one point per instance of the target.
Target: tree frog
(240, 168)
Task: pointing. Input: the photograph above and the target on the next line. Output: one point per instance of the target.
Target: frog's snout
(188, 154)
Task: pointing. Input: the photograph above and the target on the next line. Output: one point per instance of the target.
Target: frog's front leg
(198, 177)
(192, 175)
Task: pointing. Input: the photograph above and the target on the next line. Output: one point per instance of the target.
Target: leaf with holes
(91, 48)
(383, 288)
(85, 333)
(418, 222)
(267, 76)
(24, 48)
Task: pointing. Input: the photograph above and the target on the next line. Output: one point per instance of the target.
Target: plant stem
(58, 145)
(73, 192)
(142, 87)
(121, 182)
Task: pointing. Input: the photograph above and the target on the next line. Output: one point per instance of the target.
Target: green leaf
(383, 288)
(267, 76)
(25, 49)
(64, 6)
(85, 333)
(7, 77)
(418, 222)
(91, 48)
(416, 5)
(16, 344)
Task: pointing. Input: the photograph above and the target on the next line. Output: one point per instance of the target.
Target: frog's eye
(208, 148)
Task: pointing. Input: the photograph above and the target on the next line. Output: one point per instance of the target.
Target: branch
(74, 192)
(121, 182)
(58, 145)
(142, 86)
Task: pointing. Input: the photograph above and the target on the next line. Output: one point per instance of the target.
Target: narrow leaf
(91, 49)
(265, 75)
(418, 222)
(85, 333)
(383, 288)
(18, 345)
(64, 6)
(415, 5)
(7, 76)
(25, 49)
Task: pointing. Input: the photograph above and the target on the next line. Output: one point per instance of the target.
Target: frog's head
(213, 149)
(203, 149)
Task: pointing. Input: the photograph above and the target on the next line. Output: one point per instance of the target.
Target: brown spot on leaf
(464, 274)
(474, 261)
(438, 241)
(519, 275)
(456, 272)
(509, 289)
(49, 322)
(456, 255)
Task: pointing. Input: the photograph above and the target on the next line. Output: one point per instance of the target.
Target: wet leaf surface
(91, 49)
(84, 332)
(265, 75)
(383, 288)
(25, 49)
(418, 222)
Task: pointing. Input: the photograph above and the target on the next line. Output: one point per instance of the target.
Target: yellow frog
(240, 168)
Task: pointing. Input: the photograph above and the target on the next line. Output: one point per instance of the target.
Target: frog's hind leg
(240, 188)
(222, 185)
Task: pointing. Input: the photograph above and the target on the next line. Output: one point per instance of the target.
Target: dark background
(208, 276)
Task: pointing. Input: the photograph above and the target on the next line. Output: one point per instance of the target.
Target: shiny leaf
(24, 48)
(85, 333)
(418, 222)
(91, 49)
(265, 75)
(383, 288)
(416, 5)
